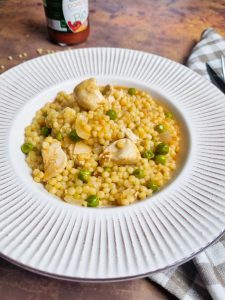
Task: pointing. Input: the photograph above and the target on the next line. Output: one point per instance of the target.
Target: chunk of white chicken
(130, 135)
(82, 128)
(78, 148)
(54, 158)
(122, 152)
(88, 95)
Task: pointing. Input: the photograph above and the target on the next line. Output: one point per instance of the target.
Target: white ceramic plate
(51, 237)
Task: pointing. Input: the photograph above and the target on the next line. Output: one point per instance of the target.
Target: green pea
(74, 136)
(92, 201)
(59, 136)
(160, 128)
(46, 131)
(112, 114)
(160, 159)
(131, 91)
(162, 148)
(139, 173)
(152, 186)
(26, 148)
(169, 115)
(149, 154)
(84, 175)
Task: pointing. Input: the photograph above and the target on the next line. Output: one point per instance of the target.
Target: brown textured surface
(169, 28)
(18, 284)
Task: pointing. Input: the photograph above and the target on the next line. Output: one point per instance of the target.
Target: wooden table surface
(169, 28)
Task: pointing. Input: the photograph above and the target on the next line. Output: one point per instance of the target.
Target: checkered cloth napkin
(204, 276)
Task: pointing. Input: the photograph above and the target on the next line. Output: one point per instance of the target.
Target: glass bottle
(67, 21)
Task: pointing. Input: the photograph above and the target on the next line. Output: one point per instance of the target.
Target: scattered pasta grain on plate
(102, 146)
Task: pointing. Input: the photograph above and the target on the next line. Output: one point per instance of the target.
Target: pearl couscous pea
(88, 181)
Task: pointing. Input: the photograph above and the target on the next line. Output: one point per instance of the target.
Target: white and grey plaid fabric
(204, 276)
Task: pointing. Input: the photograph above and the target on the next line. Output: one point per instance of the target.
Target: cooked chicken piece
(55, 160)
(83, 130)
(79, 148)
(130, 135)
(88, 95)
(123, 152)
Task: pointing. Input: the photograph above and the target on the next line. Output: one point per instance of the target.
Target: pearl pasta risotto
(102, 146)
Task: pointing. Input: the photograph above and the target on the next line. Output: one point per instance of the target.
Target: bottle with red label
(67, 21)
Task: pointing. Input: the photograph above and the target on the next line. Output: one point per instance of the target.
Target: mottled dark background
(166, 27)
